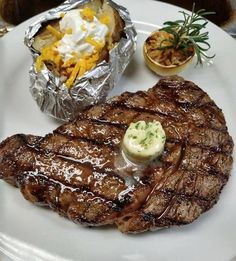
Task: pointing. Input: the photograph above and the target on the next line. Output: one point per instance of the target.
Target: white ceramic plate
(29, 233)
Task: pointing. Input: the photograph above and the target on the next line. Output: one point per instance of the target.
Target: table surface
(229, 26)
(214, 236)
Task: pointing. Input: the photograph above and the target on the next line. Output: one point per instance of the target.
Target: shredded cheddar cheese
(83, 28)
(39, 64)
(104, 19)
(58, 60)
(83, 65)
(74, 67)
(74, 64)
(49, 53)
(73, 75)
(97, 44)
(88, 14)
(69, 31)
(69, 70)
(68, 63)
(55, 32)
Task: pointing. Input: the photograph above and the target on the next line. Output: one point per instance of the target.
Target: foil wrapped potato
(80, 50)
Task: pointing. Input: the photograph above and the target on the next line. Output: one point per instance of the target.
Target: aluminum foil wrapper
(50, 93)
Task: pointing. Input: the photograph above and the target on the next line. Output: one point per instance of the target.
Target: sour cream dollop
(144, 141)
(75, 41)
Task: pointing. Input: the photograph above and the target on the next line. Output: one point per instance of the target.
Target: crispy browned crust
(74, 170)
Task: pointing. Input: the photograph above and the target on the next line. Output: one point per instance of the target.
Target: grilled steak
(79, 172)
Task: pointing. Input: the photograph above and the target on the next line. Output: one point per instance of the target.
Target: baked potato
(48, 40)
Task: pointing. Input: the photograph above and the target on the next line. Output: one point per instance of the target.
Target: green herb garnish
(187, 33)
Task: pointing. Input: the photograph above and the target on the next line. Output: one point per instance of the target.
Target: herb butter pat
(144, 141)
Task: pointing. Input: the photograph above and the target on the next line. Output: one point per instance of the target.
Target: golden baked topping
(171, 49)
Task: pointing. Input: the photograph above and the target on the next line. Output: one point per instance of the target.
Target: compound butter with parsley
(144, 141)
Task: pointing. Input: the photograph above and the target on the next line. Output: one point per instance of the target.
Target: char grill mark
(193, 169)
(182, 196)
(195, 187)
(66, 148)
(215, 139)
(84, 151)
(185, 97)
(207, 160)
(50, 187)
(214, 124)
(67, 172)
(163, 108)
(102, 133)
(78, 204)
(209, 116)
(200, 109)
(171, 161)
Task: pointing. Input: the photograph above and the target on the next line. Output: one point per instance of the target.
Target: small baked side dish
(171, 49)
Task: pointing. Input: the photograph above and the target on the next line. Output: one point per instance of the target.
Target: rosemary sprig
(187, 32)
